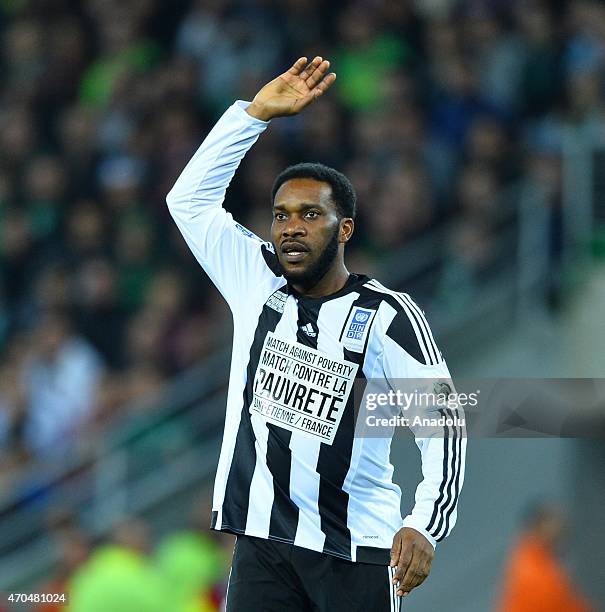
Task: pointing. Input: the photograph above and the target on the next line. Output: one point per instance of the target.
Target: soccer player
(311, 501)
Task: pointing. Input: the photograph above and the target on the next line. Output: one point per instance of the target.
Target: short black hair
(343, 193)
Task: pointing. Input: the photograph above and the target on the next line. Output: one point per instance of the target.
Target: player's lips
(294, 251)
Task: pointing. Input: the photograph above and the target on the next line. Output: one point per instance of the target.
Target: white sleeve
(411, 360)
(234, 258)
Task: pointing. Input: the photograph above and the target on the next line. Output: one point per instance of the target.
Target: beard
(310, 276)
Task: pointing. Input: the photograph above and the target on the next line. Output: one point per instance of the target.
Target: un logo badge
(361, 317)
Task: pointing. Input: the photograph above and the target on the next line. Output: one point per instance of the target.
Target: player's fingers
(298, 65)
(409, 580)
(417, 573)
(317, 75)
(315, 93)
(325, 84)
(395, 550)
(425, 570)
(316, 61)
(403, 562)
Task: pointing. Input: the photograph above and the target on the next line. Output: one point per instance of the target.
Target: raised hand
(293, 90)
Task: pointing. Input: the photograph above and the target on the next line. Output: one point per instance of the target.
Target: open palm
(293, 90)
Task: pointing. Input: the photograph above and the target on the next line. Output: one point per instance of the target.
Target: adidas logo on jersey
(308, 329)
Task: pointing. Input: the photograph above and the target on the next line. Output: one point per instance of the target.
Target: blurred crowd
(440, 108)
(134, 569)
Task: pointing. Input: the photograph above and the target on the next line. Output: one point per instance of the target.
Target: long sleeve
(234, 258)
(412, 361)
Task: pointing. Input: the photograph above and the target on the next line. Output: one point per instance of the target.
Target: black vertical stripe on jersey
(284, 514)
(334, 461)
(448, 488)
(457, 483)
(237, 491)
(444, 478)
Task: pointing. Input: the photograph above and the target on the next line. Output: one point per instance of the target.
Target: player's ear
(347, 226)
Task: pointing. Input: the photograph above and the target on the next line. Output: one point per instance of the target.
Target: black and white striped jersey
(293, 466)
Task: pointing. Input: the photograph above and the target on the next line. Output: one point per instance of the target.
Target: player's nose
(294, 227)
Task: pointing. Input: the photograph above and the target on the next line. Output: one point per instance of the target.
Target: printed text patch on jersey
(301, 389)
(357, 327)
(277, 300)
(246, 232)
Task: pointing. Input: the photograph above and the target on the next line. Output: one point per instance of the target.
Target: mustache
(293, 245)
(318, 269)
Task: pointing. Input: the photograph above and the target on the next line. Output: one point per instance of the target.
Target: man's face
(306, 230)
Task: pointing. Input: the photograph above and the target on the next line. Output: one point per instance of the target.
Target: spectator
(403, 208)
(119, 576)
(17, 255)
(72, 546)
(535, 578)
(60, 379)
(541, 70)
(100, 315)
(44, 186)
(365, 58)
(195, 564)
(468, 265)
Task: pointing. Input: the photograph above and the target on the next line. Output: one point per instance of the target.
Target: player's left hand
(293, 90)
(412, 554)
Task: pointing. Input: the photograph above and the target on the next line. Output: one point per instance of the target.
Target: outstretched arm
(235, 259)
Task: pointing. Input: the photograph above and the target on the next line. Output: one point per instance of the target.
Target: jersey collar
(354, 281)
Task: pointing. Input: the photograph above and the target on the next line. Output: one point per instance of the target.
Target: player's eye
(312, 214)
(279, 216)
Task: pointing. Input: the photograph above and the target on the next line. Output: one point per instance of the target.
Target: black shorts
(269, 576)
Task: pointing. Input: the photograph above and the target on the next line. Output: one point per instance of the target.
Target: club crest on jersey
(357, 328)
